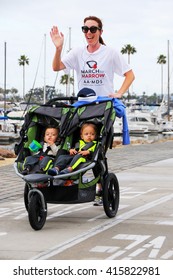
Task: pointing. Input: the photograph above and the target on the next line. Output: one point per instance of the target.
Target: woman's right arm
(58, 40)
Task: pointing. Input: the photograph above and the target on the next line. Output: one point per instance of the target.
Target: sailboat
(8, 128)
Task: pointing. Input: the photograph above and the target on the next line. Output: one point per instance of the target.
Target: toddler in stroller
(78, 186)
(42, 153)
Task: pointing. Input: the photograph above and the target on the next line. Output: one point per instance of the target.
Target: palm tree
(22, 61)
(161, 60)
(129, 50)
(65, 80)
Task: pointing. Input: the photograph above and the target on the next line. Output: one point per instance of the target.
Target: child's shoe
(53, 171)
(26, 171)
(64, 171)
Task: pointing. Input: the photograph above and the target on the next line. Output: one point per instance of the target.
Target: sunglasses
(92, 29)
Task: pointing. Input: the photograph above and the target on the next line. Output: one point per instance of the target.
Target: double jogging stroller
(78, 186)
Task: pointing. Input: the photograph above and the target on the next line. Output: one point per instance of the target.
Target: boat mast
(68, 82)
(168, 86)
(5, 70)
(44, 91)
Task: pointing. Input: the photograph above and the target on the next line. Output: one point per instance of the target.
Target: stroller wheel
(26, 191)
(111, 195)
(36, 213)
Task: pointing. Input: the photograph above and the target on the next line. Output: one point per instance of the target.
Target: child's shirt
(52, 149)
(82, 145)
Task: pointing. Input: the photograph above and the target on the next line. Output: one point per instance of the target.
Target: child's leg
(45, 163)
(30, 161)
(62, 161)
(77, 159)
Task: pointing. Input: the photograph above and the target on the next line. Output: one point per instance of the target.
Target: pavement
(142, 229)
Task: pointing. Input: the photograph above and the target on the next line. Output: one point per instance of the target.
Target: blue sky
(146, 25)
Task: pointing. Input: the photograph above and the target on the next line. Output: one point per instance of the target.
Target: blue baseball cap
(86, 94)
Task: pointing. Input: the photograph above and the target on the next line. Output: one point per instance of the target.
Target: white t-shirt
(96, 70)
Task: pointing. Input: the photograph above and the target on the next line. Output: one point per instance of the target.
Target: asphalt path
(142, 229)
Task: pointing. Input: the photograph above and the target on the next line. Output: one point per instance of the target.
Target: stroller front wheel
(36, 212)
(111, 195)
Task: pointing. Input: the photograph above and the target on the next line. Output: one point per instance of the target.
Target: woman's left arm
(129, 78)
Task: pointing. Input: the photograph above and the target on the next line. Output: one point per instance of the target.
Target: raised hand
(57, 37)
